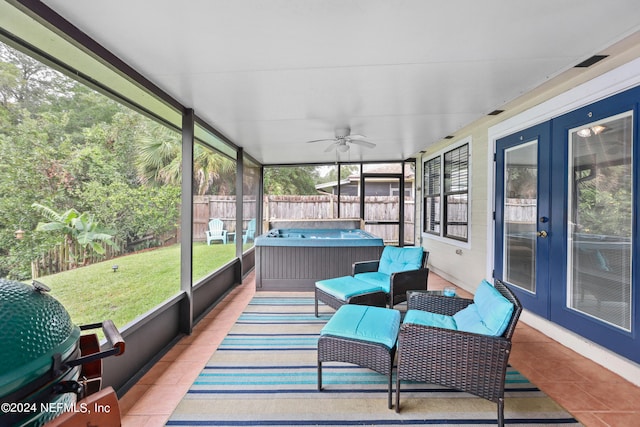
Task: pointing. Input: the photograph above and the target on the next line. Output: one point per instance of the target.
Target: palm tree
(160, 156)
(212, 172)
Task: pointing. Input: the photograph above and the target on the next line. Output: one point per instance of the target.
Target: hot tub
(294, 259)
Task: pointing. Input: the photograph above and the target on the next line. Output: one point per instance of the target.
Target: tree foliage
(298, 180)
(74, 151)
(345, 172)
(83, 155)
(27, 84)
(604, 202)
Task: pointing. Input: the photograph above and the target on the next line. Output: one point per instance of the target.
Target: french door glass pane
(520, 215)
(600, 220)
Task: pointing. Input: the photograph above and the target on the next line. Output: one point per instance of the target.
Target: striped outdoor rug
(264, 374)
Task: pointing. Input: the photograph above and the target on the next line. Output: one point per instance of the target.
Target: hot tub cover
(34, 327)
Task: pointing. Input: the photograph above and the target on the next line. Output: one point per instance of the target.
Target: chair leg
(319, 376)
(501, 412)
(398, 395)
(316, 304)
(389, 399)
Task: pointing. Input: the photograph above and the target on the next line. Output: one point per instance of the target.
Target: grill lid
(33, 328)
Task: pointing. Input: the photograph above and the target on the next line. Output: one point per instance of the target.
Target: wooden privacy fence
(522, 211)
(60, 258)
(206, 208)
(381, 208)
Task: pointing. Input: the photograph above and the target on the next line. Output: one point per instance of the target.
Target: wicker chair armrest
(435, 303)
(365, 266)
(404, 281)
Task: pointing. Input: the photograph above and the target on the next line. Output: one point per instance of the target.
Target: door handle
(542, 233)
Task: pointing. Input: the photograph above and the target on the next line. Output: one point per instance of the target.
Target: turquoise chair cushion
(361, 322)
(376, 279)
(427, 318)
(493, 308)
(468, 319)
(394, 259)
(489, 314)
(345, 287)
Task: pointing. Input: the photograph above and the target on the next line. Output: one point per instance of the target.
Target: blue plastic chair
(250, 232)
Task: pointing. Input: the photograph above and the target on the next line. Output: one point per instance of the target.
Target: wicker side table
(436, 302)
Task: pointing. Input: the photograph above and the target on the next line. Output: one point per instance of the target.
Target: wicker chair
(378, 288)
(465, 361)
(400, 282)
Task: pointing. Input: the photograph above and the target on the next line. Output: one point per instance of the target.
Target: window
(432, 196)
(448, 219)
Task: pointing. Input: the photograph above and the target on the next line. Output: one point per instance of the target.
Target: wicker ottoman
(362, 335)
(343, 290)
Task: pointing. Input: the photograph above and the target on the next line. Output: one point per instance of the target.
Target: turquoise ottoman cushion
(346, 287)
(361, 322)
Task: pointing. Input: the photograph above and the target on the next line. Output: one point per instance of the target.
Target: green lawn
(95, 293)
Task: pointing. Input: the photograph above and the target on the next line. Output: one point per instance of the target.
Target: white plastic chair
(216, 231)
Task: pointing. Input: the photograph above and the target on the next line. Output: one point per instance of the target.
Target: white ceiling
(272, 74)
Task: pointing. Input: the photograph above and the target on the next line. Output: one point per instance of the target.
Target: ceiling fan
(342, 140)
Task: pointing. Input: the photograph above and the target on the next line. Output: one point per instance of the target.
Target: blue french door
(594, 288)
(523, 222)
(567, 223)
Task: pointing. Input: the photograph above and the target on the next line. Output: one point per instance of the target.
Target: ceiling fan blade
(329, 148)
(320, 140)
(363, 143)
(356, 136)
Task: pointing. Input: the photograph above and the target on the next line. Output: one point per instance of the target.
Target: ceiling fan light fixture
(595, 130)
(584, 133)
(342, 148)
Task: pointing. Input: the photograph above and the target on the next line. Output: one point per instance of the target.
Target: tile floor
(592, 394)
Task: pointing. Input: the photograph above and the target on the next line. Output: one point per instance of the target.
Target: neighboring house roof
(331, 184)
(393, 168)
(390, 168)
(409, 176)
